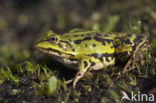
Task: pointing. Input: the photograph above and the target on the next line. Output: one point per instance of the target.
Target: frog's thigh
(101, 64)
(97, 66)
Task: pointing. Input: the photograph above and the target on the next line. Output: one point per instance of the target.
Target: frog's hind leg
(82, 67)
(133, 59)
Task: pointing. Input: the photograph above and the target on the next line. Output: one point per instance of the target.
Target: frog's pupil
(53, 38)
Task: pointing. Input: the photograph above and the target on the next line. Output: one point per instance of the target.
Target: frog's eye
(54, 40)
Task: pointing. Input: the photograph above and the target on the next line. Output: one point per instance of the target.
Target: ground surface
(27, 76)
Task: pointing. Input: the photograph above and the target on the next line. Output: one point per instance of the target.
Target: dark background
(21, 21)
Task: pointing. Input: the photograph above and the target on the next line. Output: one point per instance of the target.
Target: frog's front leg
(83, 66)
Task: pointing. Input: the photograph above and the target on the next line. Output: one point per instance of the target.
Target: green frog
(92, 50)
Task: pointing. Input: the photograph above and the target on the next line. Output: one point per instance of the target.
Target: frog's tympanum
(92, 50)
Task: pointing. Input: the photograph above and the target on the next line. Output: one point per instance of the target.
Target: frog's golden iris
(91, 50)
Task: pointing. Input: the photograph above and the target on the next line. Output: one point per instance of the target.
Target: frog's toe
(74, 83)
(69, 81)
(77, 78)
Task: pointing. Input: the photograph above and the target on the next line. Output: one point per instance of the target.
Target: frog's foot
(127, 66)
(131, 64)
(77, 78)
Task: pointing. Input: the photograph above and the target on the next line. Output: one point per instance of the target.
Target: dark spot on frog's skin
(85, 64)
(109, 41)
(103, 40)
(112, 46)
(75, 35)
(70, 40)
(99, 34)
(107, 59)
(87, 38)
(98, 39)
(82, 34)
(79, 74)
(129, 35)
(86, 45)
(94, 45)
(93, 63)
(112, 57)
(59, 45)
(100, 56)
(103, 43)
(127, 41)
(135, 40)
(80, 40)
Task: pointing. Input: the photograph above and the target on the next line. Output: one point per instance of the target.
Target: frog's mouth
(53, 52)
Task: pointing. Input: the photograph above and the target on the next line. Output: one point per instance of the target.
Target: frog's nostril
(63, 46)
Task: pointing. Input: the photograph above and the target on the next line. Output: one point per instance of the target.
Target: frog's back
(91, 42)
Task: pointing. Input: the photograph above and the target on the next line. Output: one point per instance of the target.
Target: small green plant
(16, 91)
(135, 26)
(52, 85)
(153, 43)
(114, 96)
(132, 80)
(6, 75)
(46, 88)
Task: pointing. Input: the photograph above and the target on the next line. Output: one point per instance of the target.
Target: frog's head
(53, 45)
